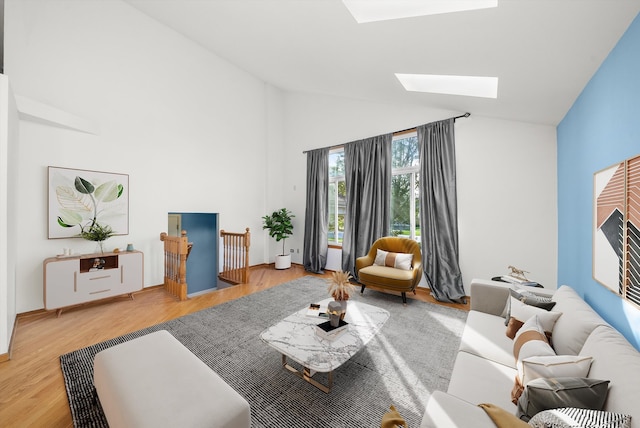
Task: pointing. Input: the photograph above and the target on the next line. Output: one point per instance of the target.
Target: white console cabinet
(70, 281)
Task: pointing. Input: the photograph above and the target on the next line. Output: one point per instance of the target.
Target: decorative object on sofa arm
(340, 288)
(391, 278)
(517, 273)
(280, 227)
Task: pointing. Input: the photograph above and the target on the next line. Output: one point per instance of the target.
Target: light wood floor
(32, 392)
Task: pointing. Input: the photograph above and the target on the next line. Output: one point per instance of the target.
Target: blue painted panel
(601, 128)
(202, 264)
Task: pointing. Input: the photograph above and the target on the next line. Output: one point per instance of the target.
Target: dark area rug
(411, 356)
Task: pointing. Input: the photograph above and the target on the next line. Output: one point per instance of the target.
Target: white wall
(189, 128)
(197, 134)
(505, 174)
(8, 212)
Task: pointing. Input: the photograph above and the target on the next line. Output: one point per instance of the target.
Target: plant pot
(283, 262)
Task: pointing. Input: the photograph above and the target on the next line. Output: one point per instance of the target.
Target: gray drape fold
(438, 210)
(368, 181)
(314, 254)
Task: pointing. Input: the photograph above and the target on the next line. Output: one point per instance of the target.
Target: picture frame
(608, 226)
(79, 198)
(616, 228)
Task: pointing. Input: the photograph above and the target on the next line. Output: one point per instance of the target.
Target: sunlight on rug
(411, 356)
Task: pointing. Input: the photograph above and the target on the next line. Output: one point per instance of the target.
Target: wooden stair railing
(235, 266)
(176, 250)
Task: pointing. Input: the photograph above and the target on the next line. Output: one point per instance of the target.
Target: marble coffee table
(295, 338)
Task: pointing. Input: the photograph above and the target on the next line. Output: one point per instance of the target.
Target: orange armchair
(384, 274)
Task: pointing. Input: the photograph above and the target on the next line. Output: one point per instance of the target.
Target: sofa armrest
(363, 261)
(491, 296)
(488, 296)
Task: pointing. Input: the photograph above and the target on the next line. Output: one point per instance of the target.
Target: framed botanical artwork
(82, 199)
(616, 223)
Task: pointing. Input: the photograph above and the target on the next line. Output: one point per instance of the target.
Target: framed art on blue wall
(616, 225)
(79, 199)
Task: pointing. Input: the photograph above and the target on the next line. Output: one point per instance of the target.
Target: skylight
(381, 10)
(472, 86)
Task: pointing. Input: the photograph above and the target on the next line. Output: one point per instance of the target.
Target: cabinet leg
(58, 313)
(131, 296)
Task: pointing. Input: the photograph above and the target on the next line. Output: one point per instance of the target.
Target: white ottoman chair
(155, 381)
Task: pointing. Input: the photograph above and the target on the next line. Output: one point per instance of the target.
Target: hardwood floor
(32, 392)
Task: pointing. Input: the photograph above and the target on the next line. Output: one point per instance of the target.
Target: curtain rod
(467, 114)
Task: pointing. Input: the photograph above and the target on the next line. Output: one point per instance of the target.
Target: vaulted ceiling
(542, 51)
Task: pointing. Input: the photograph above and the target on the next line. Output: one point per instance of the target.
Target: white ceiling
(543, 51)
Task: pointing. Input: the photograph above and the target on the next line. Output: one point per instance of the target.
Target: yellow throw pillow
(392, 419)
(502, 418)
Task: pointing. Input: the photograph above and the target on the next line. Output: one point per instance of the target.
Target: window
(405, 194)
(337, 196)
(405, 186)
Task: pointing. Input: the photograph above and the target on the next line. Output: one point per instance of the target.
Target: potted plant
(280, 227)
(98, 233)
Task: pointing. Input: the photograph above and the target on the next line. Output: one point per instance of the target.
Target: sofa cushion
(552, 393)
(478, 380)
(394, 260)
(574, 418)
(386, 277)
(483, 335)
(521, 312)
(578, 320)
(616, 360)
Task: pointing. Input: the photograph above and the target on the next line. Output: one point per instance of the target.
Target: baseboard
(7, 356)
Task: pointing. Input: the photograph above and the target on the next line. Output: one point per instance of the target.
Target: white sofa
(485, 368)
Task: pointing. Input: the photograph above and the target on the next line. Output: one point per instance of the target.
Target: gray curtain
(368, 180)
(439, 210)
(314, 254)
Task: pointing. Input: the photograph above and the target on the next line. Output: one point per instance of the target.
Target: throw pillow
(530, 341)
(528, 298)
(394, 260)
(571, 418)
(553, 366)
(502, 418)
(552, 393)
(520, 312)
(392, 419)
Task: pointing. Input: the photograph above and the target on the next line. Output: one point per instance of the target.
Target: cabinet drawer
(98, 281)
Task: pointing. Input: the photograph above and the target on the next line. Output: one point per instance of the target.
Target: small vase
(334, 309)
(100, 247)
(343, 308)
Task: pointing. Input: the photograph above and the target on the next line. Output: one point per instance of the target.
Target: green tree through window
(405, 202)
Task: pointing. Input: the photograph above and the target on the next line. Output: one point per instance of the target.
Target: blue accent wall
(202, 264)
(601, 128)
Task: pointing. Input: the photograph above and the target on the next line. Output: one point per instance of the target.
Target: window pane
(336, 164)
(401, 194)
(342, 207)
(332, 212)
(404, 151)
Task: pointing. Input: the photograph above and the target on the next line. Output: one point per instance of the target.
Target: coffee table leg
(307, 375)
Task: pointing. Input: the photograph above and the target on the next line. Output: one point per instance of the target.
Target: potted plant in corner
(280, 227)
